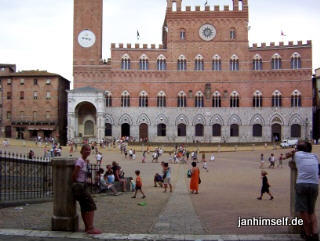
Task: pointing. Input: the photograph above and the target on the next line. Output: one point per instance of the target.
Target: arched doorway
(125, 129)
(276, 132)
(143, 131)
(86, 119)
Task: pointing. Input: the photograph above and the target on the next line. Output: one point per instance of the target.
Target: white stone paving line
(159, 237)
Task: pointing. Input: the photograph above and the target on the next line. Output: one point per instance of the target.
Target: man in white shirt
(307, 183)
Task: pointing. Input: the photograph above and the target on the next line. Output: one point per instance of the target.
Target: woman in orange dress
(195, 176)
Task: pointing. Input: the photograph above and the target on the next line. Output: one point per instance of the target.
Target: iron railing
(22, 178)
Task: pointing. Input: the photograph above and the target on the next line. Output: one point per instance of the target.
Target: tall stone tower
(87, 34)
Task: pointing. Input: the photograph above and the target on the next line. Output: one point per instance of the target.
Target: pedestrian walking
(195, 178)
(272, 161)
(167, 177)
(265, 186)
(261, 160)
(280, 160)
(138, 185)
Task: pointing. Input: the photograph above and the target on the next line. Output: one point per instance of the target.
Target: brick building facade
(203, 83)
(33, 103)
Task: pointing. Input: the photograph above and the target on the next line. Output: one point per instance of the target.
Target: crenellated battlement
(136, 46)
(281, 44)
(238, 6)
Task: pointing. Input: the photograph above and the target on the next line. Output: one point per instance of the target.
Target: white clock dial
(86, 38)
(207, 32)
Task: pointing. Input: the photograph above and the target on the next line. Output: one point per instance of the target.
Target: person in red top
(138, 185)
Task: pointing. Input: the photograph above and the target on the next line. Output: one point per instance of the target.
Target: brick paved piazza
(228, 190)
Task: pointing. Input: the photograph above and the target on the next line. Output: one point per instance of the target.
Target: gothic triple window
(199, 63)
(234, 99)
(199, 100)
(216, 99)
(161, 99)
(143, 99)
(234, 63)
(276, 62)
(296, 99)
(161, 63)
(182, 99)
(276, 99)
(257, 99)
(182, 63)
(125, 99)
(216, 63)
(125, 62)
(295, 61)
(257, 63)
(144, 62)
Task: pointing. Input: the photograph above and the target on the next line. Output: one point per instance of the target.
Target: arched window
(234, 99)
(108, 129)
(296, 99)
(182, 63)
(198, 99)
(296, 61)
(125, 62)
(182, 34)
(216, 99)
(257, 62)
(257, 99)
(276, 99)
(296, 131)
(199, 63)
(216, 130)
(199, 130)
(143, 99)
(216, 63)
(107, 95)
(161, 130)
(234, 63)
(161, 63)
(182, 130)
(234, 130)
(182, 99)
(257, 130)
(161, 99)
(233, 35)
(143, 62)
(125, 99)
(276, 61)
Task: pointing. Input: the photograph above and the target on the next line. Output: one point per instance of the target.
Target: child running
(265, 185)
(138, 185)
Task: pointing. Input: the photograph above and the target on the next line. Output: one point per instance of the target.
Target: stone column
(65, 216)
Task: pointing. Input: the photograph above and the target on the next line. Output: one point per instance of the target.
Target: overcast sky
(38, 34)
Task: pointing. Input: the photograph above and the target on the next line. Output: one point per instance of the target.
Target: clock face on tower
(207, 32)
(86, 38)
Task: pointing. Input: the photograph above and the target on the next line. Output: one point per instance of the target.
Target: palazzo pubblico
(203, 83)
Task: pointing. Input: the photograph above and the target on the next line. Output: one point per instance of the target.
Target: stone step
(34, 235)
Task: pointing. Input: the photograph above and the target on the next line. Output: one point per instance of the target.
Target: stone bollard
(253, 147)
(235, 147)
(293, 178)
(65, 216)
